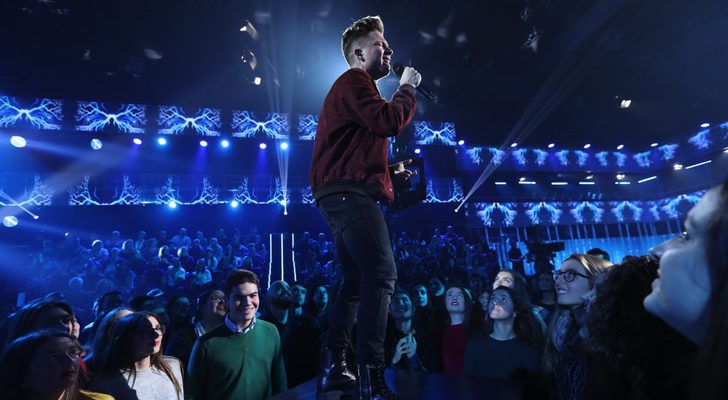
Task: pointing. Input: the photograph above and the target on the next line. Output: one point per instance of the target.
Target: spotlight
(96, 144)
(501, 183)
(283, 203)
(677, 167)
(162, 141)
(257, 81)
(203, 143)
(172, 204)
(654, 145)
(137, 141)
(552, 145)
(234, 204)
(620, 177)
(225, 143)
(523, 178)
(586, 146)
(418, 151)
(725, 150)
(35, 217)
(461, 142)
(620, 147)
(263, 146)
(647, 179)
(705, 125)
(10, 221)
(18, 141)
(514, 144)
(284, 146)
(625, 103)
(590, 176)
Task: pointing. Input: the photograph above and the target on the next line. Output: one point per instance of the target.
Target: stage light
(234, 204)
(513, 145)
(559, 183)
(257, 81)
(418, 151)
(677, 166)
(654, 144)
(162, 141)
(526, 183)
(647, 179)
(501, 183)
(586, 146)
(461, 142)
(96, 144)
(172, 204)
(283, 203)
(551, 145)
(18, 141)
(625, 103)
(620, 147)
(623, 183)
(587, 183)
(698, 164)
(590, 176)
(284, 146)
(523, 178)
(203, 143)
(137, 141)
(225, 143)
(620, 177)
(705, 125)
(10, 221)
(35, 217)
(263, 146)
(725, 150)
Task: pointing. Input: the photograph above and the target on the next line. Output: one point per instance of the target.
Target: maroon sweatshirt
(351, 150)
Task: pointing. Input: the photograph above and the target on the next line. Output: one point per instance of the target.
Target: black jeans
(362, 242)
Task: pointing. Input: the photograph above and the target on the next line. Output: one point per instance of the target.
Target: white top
(150, 383)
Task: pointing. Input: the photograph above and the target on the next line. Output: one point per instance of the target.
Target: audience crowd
(158, 316)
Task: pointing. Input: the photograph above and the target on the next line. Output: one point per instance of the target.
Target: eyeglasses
(657, 251)
(73, 354)
(217, 299)
(569, 275)
(158, 330)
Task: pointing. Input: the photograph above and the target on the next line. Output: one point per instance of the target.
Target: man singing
(349, 174)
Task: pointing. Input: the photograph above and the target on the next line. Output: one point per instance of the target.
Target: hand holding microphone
(409, 75)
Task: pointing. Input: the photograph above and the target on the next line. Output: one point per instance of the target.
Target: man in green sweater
(240, 359)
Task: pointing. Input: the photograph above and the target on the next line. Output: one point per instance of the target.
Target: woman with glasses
(133, 366)
(41, 314)
(43, 365)
(691, 291)
(564, 356)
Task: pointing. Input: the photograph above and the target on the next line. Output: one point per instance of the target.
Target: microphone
(421, 89)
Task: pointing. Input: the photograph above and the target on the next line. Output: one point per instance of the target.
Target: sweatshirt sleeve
(367, 108)
(196, 374)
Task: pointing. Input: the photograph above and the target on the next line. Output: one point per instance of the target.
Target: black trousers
(362, 242)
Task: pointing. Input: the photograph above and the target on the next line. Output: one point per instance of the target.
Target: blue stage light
(225, 143)
(10, 221)
(96, 144)
(586, 146)
(284, 146)
(705, 125)
(203, 143)
(620, 147)
(461, 142)
(18, 141)
(137, 141)
(418, 151)
(514, 145)
(263, 146)
(162, 141)
(234, 204)
(172, 204)
(552, 145)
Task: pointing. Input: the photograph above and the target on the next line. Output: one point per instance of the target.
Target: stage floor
(430, 386)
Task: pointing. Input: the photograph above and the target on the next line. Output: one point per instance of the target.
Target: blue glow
(643, 159)
(18, 141)
(166, 193)
(619, 207)
(587, 146)
(246, 125)
(172, 204)
(80, 195)
(563, 157)
(225, 143)
(40, 195)
(654, 145)
(208, 195)
(581, 157)
(578, 208)
(474, 154)
(234, 204)
(244, 195)
(454, 195)
(669, 206)
(263, 146)
(284, 146)
(307, 125)
(551, 145)
(540, 156)
(174, 120)
(426, 134)
(620, 147)
(497, 155)
(533, 210)
(41, 115)
(10, 221)
(162, 141)
(514, 145)
(701, 140)
(129, 118)
(485, 212)
(621, 159)
(96, 144)
(137, 141)
(520, 156)
(418, 151)
(668, 151)
(705, 125)
(602, 158)
(203, 143)
(307, 195)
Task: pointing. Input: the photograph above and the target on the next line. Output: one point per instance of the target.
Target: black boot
(372, 385)
(335, 379)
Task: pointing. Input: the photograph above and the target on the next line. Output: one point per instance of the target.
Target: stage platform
(429, 386)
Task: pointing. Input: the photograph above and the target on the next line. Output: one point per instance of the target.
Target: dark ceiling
(564, 85)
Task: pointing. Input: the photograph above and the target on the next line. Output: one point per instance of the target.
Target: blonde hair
(357, 30)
